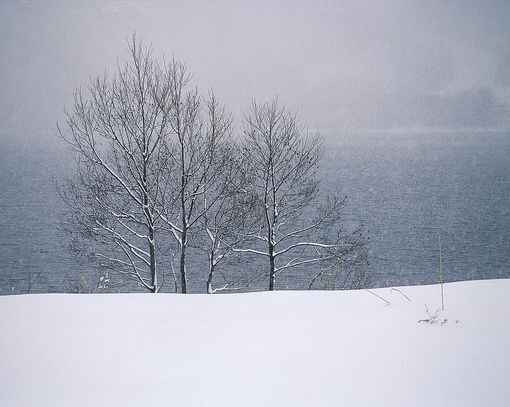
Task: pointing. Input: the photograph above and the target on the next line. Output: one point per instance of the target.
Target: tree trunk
(152, 253)
(184, 214)
(184, 285)
(272, 273)
(211, 274)
(150, 225)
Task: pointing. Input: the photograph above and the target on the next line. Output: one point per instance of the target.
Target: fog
(345, 66)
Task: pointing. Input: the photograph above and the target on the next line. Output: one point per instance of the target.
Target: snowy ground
(261, 349)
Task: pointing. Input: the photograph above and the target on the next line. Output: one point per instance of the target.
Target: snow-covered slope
(261, 349)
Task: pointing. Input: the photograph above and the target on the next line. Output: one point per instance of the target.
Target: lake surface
(406, 189)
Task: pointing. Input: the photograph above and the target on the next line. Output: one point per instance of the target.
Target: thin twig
(378, 296)
(396, 289)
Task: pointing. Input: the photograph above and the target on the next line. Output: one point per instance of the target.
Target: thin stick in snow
(378, 296)
(397, 290)
(441, 273)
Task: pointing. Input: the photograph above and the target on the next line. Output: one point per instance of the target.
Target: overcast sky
(343, 65)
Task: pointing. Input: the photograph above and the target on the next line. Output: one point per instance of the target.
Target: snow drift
(262, 349)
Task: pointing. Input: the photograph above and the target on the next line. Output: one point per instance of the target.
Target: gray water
(406, 189)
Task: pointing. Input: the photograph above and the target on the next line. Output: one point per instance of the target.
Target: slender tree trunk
(272, 272)
(184, 235)
(184, 284)
(152, 242)
(152, 253)
(211, 274)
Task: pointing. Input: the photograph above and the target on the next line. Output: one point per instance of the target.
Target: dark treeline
(160, 178)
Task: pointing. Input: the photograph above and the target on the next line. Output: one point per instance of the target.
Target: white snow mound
(347, 348)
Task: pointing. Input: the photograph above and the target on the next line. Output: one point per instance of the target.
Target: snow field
(262, 349)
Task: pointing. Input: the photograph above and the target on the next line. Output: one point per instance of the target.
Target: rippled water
(406, 190)
(411, 189)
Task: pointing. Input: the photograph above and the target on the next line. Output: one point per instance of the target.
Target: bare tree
(200, 155)
(155, 159)
(283, 159)
(119, 131)
(227, 216)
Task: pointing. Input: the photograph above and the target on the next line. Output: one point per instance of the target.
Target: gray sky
(374, 65)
